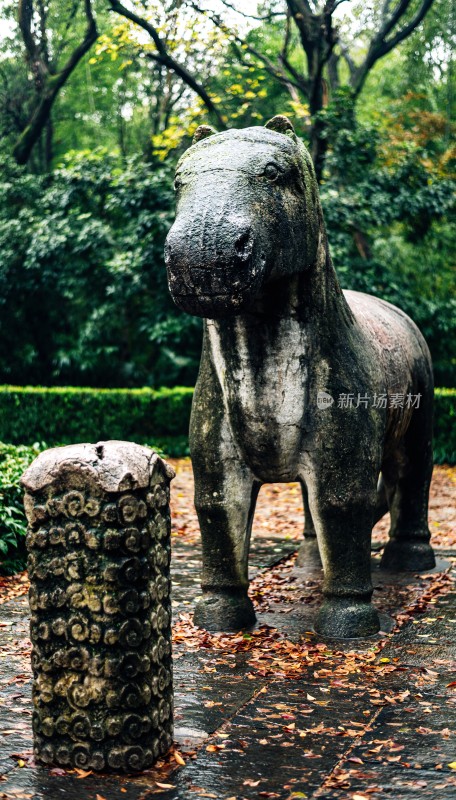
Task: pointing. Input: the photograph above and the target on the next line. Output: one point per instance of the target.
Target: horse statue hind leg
(407, 476)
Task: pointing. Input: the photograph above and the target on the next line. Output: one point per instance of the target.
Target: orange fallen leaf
(164, 785)
(178, 758)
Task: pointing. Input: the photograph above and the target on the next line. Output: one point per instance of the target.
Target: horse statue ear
(202, 133)
(281, 124)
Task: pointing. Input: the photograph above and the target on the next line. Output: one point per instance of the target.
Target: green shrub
(13, 462)
(445, 426)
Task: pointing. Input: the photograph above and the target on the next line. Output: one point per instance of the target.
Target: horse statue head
(248, 213)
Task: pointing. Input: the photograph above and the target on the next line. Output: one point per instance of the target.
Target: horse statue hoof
(407, 556)
(224, 612)
(347, 618)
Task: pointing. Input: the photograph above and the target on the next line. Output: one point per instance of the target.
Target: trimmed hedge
(65, 415)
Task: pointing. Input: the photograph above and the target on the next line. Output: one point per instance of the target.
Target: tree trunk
(32, 131)
(48, 143)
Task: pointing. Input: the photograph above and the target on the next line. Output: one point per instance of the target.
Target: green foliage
(387, 208)
(445, 426)
(83, 291)
(65, 415)
(13, 462)
(60, 416)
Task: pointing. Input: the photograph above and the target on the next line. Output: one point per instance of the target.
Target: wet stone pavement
(277, 712)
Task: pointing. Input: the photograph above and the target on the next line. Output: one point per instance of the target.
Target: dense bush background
(66, 415)
(14, 460)
(83, 293)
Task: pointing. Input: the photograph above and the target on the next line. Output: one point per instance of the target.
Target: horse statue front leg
(225, 498)
(225, 502)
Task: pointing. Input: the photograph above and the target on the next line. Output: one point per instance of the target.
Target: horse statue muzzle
(298, 380)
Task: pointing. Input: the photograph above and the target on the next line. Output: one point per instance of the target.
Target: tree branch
(36, 63)
(381, 45)
(168, 60)
(265, 18)
(269, 66)
(299, 81)
(53, 81)
(90, 36)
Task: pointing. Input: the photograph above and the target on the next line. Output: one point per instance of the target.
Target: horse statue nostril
(243, 244)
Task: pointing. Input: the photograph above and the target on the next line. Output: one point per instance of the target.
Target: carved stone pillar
(99, 552)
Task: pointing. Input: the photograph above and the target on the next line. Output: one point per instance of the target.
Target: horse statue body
(299, 381)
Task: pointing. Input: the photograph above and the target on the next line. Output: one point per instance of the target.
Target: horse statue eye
(271, 171)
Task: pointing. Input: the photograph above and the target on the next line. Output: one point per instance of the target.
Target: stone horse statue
(248, 252)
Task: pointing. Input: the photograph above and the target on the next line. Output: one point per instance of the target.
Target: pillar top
(115, 466)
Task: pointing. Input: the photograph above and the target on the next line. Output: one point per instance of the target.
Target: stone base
(347, 618)
(309, 554)
(224, 612)
(408, 556)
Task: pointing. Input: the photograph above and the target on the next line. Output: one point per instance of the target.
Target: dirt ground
(279, 509)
